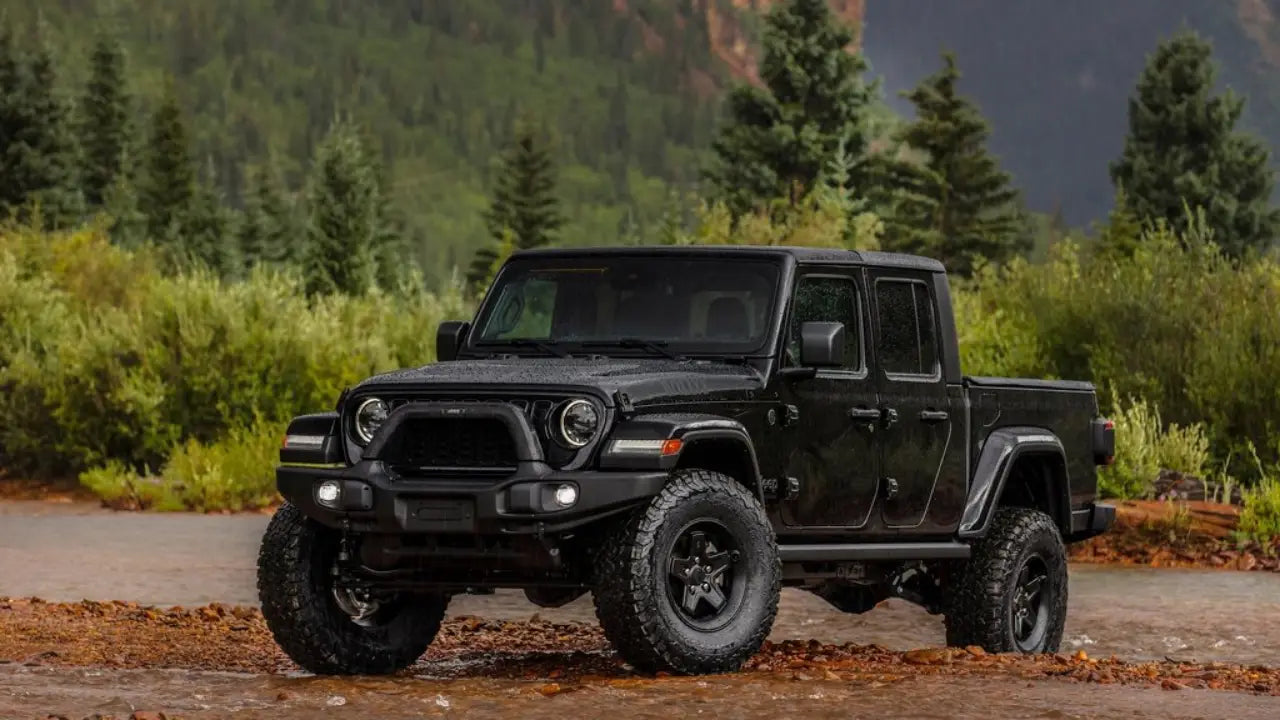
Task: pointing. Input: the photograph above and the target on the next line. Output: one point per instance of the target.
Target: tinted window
(691, 304)
(828, 299)
(908, 337)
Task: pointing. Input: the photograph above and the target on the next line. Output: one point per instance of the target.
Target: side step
(873, 551)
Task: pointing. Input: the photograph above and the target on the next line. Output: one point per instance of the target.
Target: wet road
(73, 552)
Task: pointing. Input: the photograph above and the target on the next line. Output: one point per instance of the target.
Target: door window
(908, 340)
(826, 298)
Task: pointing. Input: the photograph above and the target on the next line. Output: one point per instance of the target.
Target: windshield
(652, 303)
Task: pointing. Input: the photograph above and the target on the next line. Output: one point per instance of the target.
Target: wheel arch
(1018, 467)
(708, 442)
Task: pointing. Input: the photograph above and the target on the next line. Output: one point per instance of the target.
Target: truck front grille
(443, 444)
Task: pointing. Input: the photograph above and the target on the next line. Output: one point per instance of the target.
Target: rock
(975, 651)
(335, 701)
(926, 656)
(144, 715)
(550, 689)
(1171, 684)
(1080, 656)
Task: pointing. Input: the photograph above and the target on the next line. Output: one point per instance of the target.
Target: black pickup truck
(682, 431)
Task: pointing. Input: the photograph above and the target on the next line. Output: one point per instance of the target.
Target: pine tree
(169, 187)
(1183, 151)
(777, 138)
(104, 121)
(207, 229)
(954, 203)
(524, 204)
(120, 203)
(38, 152)
(342, 208)
(266, 230)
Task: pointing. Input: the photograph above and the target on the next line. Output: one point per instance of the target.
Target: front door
(913, 393)
(832, 454)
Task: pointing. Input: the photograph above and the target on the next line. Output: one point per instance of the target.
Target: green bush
(235, 473)
(104, 358)
(1175, 324)
(1145, 446)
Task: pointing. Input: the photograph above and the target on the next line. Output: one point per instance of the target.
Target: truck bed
(1067, 408)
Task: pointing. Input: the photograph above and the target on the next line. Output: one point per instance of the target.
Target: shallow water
(74, 552)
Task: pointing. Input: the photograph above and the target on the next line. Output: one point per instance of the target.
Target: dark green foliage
(954, 203)
(169, 186)
(37, 148)
(436, 83)
(777, 138)
(104, 122)
(1183, 152)
(208, 231)
(524, 204)
(120, 203)
(343, 222)
(267, 228)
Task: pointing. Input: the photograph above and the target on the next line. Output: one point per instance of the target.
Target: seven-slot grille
(463, 444)
(468, 445)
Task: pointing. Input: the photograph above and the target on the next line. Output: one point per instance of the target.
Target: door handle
(865, 414)
(890, 417)
(934, 416)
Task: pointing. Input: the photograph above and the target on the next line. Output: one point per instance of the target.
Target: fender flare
(1000, 453)
(692, 429)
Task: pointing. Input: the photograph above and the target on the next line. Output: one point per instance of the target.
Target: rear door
(913, 392)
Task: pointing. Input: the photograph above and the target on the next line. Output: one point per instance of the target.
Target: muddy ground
(101, 649)
(1190, 643)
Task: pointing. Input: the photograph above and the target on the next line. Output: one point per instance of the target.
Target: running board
(873, 551)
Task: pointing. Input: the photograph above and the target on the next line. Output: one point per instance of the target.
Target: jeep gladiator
(683, 431)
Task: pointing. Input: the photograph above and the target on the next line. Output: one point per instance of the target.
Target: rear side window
(908, 334)
(825, 298)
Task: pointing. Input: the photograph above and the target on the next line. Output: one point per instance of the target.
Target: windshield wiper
(550, 347)
(657, 347)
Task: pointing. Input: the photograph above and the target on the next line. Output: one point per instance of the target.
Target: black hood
(644, 380)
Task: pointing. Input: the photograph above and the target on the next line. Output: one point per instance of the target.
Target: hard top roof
(809, 255)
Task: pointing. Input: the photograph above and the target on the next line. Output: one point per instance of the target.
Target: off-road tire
(630, 591)
(295, 589)
(979, 609)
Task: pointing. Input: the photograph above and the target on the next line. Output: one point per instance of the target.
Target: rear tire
(1011, 595)
(690, 582)
(328, 632)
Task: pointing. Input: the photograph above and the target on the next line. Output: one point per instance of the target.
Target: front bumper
(376, 500)
(1091, 520)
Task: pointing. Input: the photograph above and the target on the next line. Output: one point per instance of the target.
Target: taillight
(1104, 441)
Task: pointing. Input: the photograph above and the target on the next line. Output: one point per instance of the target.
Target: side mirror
(822, 344)
(449, 338)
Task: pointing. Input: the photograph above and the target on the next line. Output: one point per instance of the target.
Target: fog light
(566, 495)
(328, 492)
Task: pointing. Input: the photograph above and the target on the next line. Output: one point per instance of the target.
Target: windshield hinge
(623, 401)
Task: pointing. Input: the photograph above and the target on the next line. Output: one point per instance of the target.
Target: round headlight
(369, 417)
(577, 423)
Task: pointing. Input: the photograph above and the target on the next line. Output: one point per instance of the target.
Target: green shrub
(1144, 447)
(1175, 324)
(235, 473)
(104, 358)
(1260, 518)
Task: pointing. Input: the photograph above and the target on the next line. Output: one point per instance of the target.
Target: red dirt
(221, 637)
(1184, 534)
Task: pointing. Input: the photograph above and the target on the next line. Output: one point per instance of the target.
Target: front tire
(1011, 596)
(329, 630)
(690, 582)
